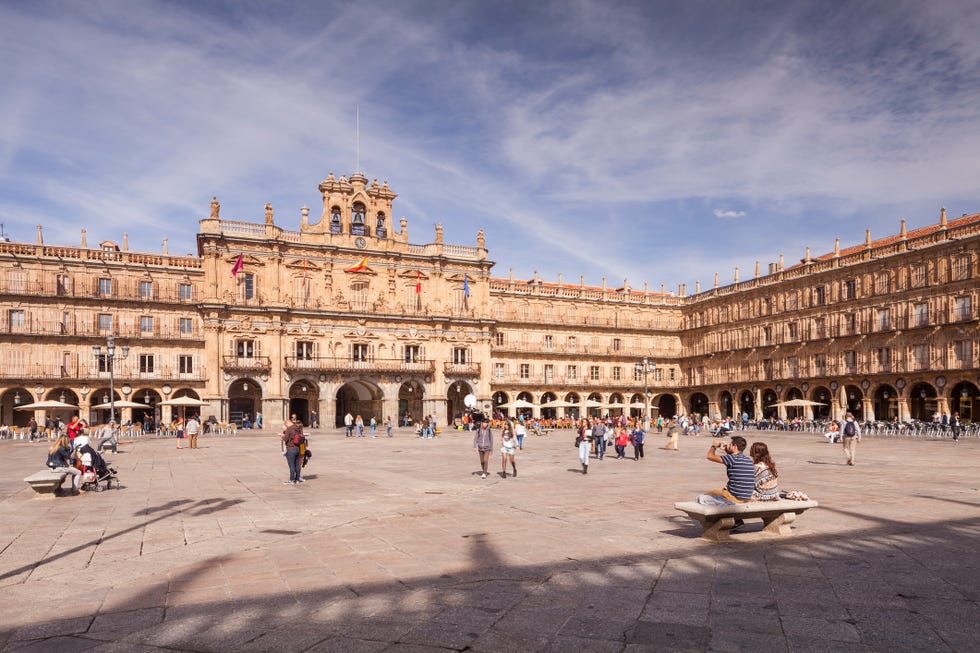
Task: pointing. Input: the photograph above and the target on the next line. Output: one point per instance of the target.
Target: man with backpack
(850, 436)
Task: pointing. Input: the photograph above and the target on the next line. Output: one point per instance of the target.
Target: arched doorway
(726, 404)
(410, 396)
(854, 398)
(304, 397)
(9, 402)
(667, 406)
(593, 405)
(886, 403)
(821, 395)
(769, 398)
(65, 396)
(923, 402)
(963, 399)
(616, 405)
(747, 404)
(455, 405)
(364, 398)
(149, 415)
(101, 415)
(498, 399)
(795, 411)
(698, 404)
(549, 412)
(526, 413)
(244, 401)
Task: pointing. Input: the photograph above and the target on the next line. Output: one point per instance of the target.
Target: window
(920, 353)
(767, 369)
(820, 364)
(500, 338)
(819, 296)
(767, 306)
(549, 373)
(767, 335)
(185, 364)
(525, 370)
(413, 353)
(961, 268)
(549, 341)
(850, 360)
(359, 352)
(248, 286)
(820, 327)
(963, 352)
(961, 308)
(460, 356)
(380, 230)
(146, 324)
(883, 319)
(883, 356)
(882, 284)
(18, 280)
(15, 319)
(304, 350)
(617, 374)
(105, 322)
(617, 344)
(850, 289)
(64, 284)
(918, 277)
(793, 331)
(335, 220)
(594, 372)
(146, 289)
(572, 372)
(572, 343)
(498, 370)
(245, 348)
(792, 367)
(359, 296)
(102, 361)
(850, 324)
(791, 302)
(105, 287)
(146, 363)
(184, 292)
(186, 325)
(672, 374)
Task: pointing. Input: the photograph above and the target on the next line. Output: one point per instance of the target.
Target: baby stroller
(96, 475)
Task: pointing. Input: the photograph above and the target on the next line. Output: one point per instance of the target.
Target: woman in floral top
(766, 477)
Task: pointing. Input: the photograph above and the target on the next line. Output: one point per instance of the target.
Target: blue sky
(657, 142)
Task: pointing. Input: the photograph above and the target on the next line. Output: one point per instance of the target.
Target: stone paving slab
(397, 545)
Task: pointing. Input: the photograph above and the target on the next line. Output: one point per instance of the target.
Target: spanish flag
(361, 265)
(418, 282)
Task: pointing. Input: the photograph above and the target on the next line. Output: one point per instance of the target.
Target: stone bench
(46, 481)
(718, 520)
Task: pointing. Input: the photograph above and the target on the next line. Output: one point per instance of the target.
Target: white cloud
(719, 213)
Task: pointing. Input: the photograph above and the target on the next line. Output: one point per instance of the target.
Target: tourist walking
(850, 436)
(638, 437)
(519, 432)
(508, 449)
(622, 439)
(359, 423)
(483, 445)
(599, 437)
(388, 425)
(954, 422)
(582, 440)
(193, 429)
(673, 430)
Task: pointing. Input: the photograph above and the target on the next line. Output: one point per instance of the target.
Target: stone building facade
(346, 315)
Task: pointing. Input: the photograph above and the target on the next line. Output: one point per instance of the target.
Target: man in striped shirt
(740, 470)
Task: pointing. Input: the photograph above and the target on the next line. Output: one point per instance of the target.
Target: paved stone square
(397, 545)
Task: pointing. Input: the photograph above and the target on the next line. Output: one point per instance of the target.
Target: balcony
(124, 372)
(347, 364)
(464, 370)
(246, 363)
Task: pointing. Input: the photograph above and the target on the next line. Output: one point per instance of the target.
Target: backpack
(298, 438)
(849, 429)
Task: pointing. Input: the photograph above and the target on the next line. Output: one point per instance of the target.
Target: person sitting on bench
(740, 471)
(59, 459)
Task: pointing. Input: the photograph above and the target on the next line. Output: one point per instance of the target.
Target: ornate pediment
(302, 265)
(247, 260)
(245, 325)
(459, 335)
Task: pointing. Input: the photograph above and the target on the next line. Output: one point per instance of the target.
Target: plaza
(397, 545)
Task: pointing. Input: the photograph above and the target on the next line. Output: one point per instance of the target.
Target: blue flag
(466, 286)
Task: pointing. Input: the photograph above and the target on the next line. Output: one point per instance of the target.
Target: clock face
(361, 243)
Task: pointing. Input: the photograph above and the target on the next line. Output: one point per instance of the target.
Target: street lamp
(644, 367)
(110, 357)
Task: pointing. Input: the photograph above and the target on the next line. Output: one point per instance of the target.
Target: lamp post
(644, 367)
(110, 363)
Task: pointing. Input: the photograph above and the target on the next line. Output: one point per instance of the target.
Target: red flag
(304, 272)
(361, 265)
(418, 282)
(237, 267)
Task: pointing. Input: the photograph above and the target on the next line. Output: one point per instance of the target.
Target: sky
(647, 142)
